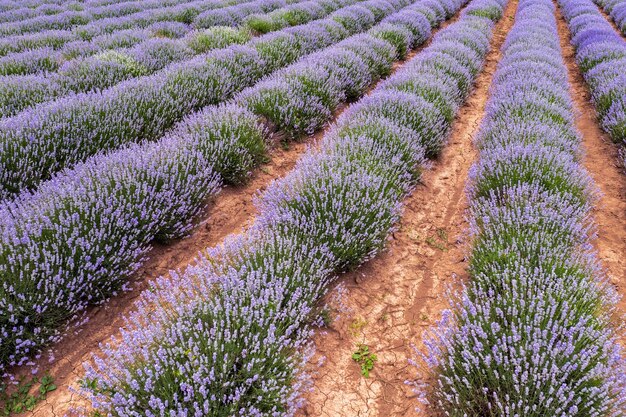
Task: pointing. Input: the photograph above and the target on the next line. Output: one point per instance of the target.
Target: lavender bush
(291, 15)
(145, 107)
(617, 10)
(29, 62)
(172, 179)
(368, 159)
(531, 333)
(601, 54)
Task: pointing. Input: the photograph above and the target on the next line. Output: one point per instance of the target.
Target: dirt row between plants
(601, 161)
(394, 298)
(231, 212)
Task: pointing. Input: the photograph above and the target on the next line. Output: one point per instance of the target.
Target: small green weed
(22, 399)
(439, 241)
(365, 358)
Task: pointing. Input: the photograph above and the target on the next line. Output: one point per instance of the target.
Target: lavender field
(344, 208)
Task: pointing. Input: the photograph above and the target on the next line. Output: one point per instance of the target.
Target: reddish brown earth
(601, 161)
(230, 212)
(398, 295)
(393, 298)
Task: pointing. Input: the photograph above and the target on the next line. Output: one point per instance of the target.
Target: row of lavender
(76, 240)
(110, 67)
(94, 11)
(84, 25)
(531, 334)
(204, 14)
(45, 139)
(7, 5)
(617, 10)
(49, 50)
(232, 331)
(601, 56)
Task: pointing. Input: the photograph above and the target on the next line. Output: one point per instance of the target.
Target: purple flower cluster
(29, 62)
(50, 38)
(601, 56)
(531, 333)
(229, 336)
(76, 239)
(108, 67)
(45, 139)
(109, 18)
(617, 10)
(47, 50)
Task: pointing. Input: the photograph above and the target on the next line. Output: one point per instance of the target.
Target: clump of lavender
(216, 37)
(251, 300)
(34, 147)
(531, 333)
(30, 62)
(398, 36)
(601, 54)
(171, 179)
(169, 29)
(291, 15)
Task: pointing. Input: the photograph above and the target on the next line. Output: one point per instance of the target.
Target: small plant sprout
(25, 397)
(365, 358)
(357, 325)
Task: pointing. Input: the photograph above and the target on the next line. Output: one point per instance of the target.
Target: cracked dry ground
(231, 212)
(393, 299)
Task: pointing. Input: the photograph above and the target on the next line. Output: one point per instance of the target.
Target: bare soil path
(230, 212)
(395, 297)
(601, 161)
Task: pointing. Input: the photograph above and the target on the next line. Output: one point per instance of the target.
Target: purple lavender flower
(150, 191)
(531, 333)
(253, 298)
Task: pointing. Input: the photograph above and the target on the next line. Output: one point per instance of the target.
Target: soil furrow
(601, 161)
(230, 212)
(393, 298)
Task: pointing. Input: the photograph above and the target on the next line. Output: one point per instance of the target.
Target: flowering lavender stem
(229, 336)
(531, 333)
